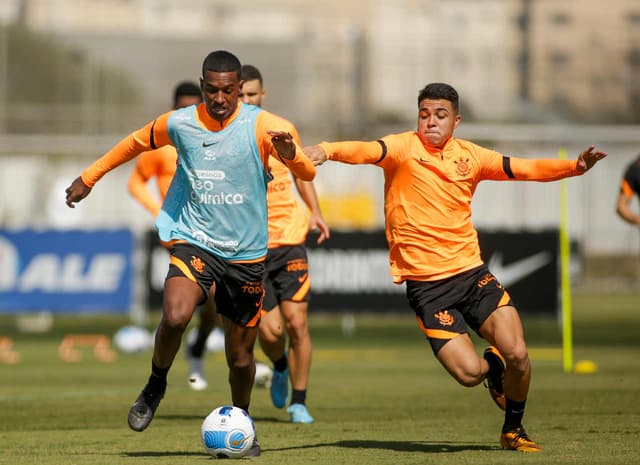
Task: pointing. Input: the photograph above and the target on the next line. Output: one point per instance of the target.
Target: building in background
(339, 70)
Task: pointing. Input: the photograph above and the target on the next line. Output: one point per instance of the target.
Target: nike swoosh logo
(204, 144)
(424, 160)
(303, 278)
(516, 271)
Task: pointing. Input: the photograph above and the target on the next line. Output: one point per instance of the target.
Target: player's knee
(468, 375)
(175, 320)
(297, 328)
(240, 360)
(517, 359)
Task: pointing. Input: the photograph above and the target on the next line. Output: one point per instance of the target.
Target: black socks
(513, 414)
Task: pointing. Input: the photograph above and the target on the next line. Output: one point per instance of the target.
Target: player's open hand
(283, 143)
(316, 154)
(588, 158)
(77, 191)
(318, 224)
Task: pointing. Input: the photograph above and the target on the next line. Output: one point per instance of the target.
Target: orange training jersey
(288, 219)
(428, 196)
(159, 164)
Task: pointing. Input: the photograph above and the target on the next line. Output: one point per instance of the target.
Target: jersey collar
(211, 124)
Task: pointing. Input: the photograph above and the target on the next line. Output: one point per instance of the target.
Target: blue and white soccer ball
(132, 339)
(228, 432)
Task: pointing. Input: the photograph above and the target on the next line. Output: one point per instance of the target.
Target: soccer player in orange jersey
(161, 165)
(287, 283)
(629, 188)
(216, 211)
(430, 178)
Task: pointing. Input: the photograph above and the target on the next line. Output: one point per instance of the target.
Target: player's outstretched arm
(588, 158)
(77, 191)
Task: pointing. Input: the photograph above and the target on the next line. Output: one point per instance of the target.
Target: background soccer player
(430, 178)
(629, 187)
(216, 211)
(287, 283)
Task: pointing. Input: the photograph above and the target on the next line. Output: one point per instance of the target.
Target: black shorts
(287, 276)
(239, 289)
(448, 307)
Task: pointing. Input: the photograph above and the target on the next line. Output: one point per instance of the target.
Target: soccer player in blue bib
(215, 213)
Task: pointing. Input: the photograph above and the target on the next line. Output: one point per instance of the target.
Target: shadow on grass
(155, 453)
(400, 446)
(172, 417)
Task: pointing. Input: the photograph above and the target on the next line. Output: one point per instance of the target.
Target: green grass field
(379, 397)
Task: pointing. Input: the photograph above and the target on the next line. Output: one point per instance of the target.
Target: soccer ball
(228, 432)
(132, 339)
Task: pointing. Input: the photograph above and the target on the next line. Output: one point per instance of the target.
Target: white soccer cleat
(215, 341)
(264, 374)
(197, 381)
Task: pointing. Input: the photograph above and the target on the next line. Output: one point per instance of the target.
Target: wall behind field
(34, 174)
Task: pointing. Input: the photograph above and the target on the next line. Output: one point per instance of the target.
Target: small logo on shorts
(299, 264)
(197, 264)
(444, 318)
(486, 279)
(303, 278)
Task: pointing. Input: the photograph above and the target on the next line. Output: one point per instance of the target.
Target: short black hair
(250, 73)
(186, 88)
(440, 91)
(221, 61)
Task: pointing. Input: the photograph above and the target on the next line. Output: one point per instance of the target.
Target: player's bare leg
(181, 296)
(295, 318)
(273, 343)
(239, 343)
(459, 357)
(503, 329)
(271, 334)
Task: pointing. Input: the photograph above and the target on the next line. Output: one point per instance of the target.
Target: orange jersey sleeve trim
(300, 165)
(522, 169)
(151, 136)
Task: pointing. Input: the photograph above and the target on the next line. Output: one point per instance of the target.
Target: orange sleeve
(140, 175)
(498, 167)
(300, 165)
(155, 134)
(626, 189)
(354, 152)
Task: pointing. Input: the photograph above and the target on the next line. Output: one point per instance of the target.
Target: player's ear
(456, 120)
